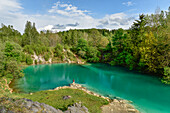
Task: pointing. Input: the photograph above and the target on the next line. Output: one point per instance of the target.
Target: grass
(55, 98)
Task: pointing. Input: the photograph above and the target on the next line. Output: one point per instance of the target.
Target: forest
(143, 47)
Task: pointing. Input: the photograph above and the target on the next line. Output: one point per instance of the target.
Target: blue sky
(62, 15)
(98, 7)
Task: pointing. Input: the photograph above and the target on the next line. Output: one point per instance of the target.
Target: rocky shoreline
(115, 105)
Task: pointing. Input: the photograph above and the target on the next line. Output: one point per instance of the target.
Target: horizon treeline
(143, 47)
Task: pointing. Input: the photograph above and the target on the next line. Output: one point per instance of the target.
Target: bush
(166, 77)
(13, 50)
(40, 62)
(66, 47)
(23, 57)
(70, 54)
(82, 54)
(28, 49)
(12, 69)
(9, 76)
(36, 62)
(47, 56)
(58, 50)
(29, 60)
(62, 57)
(92, 54)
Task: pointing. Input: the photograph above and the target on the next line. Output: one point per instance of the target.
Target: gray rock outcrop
(8, 105)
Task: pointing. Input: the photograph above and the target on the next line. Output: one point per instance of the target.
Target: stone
(84, 108)
(77, 108)
(66, 97)
(28, 104)
(34, 109)
(131, 110)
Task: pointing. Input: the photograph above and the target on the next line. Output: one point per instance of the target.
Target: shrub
(166, 77)
(23, 57)
(28, 49)
(47, 56)
(29, 60)
(40, 62)
(36, 62)
(62, 57)
(58, 50)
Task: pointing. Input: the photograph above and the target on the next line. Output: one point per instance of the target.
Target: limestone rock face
(8, 105)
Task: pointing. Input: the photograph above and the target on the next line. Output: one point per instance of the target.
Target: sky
(60, 15)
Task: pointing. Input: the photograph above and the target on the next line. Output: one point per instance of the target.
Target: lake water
(148, 94)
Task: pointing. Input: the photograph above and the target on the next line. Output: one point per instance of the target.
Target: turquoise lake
(148, 94)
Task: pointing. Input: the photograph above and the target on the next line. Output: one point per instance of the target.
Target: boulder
(77, 108)
(66, 97)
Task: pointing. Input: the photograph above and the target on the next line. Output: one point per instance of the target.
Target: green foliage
(38, 49)
(129, 61)
(2, 57)
(145, 46)
(40, 62)
(94, 38)
(23, 57)
(29, 60)
(8, 33)
(13, 50)
(12, 69)
(36, 62)
(28, 49)
(82, 45)
(9, 59)
(121, 54)
(166, 78)
(46, 56)
(30, 34)
(58, 50)
(92, 54)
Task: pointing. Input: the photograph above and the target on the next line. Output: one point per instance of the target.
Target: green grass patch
(55, 99)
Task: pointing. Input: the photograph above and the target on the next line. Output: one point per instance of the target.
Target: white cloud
(9, 5)
(10, 13)
(114, 21)
(60, 17)
(67, 10)
(129, 3)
